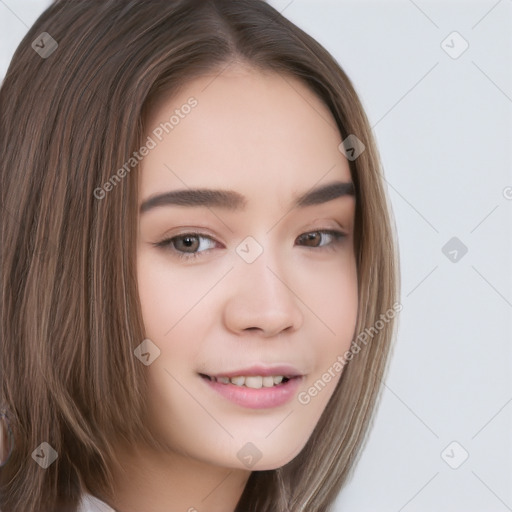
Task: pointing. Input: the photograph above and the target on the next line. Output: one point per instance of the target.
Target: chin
(277, 457)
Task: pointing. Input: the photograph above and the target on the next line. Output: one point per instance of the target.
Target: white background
(443, 127)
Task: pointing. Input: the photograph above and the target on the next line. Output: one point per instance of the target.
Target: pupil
(313, 237)
(189, 242)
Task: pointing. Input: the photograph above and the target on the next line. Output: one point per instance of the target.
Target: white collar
(89, 503)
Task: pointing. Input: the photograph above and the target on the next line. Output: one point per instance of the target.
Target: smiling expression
(245, 265)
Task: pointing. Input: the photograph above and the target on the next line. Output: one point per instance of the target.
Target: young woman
(199, 273)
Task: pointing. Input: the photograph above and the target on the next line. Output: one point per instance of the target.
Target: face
(246, 266)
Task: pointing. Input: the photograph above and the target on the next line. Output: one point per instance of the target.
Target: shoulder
(89, 503)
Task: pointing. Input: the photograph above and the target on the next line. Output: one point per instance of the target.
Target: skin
(268, 137)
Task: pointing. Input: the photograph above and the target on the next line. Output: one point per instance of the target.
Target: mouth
(258, 387)
(252, 381)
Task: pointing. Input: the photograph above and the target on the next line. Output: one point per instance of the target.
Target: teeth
(252, 381)
(268, 381)
(238, 381)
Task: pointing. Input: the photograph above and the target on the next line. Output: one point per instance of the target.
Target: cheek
(333, 302)
(174, 314)
(331, 293)
(166, 294)
(167, 298)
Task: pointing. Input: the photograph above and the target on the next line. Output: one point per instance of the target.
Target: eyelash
(167, 244)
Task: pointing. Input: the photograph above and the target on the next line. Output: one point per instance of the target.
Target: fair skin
(270, 139)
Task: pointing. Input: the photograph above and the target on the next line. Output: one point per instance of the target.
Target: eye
(188, 245)
(193, 245)
(321, 238)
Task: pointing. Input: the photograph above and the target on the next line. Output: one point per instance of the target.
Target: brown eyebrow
(231, 200)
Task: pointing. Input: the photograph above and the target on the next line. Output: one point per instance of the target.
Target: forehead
(263, 133)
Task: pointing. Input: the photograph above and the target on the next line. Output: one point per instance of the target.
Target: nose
(262, 300)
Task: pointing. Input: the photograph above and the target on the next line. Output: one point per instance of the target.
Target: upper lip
(286, 370)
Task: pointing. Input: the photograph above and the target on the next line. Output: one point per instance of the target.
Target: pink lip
(286, 370)
(263, 398)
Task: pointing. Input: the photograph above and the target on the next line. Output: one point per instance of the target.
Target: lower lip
(263, 398)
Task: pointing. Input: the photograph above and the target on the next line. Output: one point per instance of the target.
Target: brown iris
(186, 243)
(311, 239)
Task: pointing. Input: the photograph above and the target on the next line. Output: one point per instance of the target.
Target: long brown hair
(72, 112)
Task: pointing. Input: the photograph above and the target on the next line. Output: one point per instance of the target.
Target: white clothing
(91, 504)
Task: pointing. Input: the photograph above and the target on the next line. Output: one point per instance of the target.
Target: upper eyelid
(198, 234)
(193, 233)
(204, 234)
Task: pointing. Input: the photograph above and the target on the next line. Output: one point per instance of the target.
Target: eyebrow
(231, 200)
